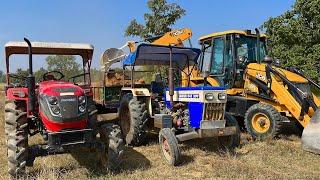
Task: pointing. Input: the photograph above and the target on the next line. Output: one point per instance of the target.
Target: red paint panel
(55, 126)
(50, 88)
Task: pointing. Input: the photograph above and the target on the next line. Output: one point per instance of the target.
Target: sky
(102, 22)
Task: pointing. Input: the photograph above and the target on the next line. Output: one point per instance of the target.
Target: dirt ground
(275, 159)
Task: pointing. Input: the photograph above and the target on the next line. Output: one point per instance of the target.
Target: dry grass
(2, 86)
(277, 159)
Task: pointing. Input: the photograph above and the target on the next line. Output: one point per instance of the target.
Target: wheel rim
(261, 123)
(125, 121)
(166, 149)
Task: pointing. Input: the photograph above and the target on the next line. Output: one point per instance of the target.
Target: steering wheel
(50, 75)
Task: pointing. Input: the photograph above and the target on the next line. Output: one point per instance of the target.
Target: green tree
(158, 21)
(21, 73)
(96, 75)
(65, 64)
(2, 77)
(295, 37)
(39, 74)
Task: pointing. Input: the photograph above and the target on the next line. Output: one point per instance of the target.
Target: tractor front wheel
(229, 143)
(110, 135)
(169, 147)
(263, 121)
(16, 129)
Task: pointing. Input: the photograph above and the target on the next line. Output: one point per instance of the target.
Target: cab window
(217, 58)
(206, 55)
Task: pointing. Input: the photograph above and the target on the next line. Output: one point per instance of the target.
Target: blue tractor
(156, 102)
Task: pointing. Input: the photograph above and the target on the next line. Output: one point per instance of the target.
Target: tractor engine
(63, 107)
(180, 116)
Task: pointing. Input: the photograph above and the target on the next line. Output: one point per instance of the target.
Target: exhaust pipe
(258, 46)
(310, 140)
(30, 79)
(171, 85)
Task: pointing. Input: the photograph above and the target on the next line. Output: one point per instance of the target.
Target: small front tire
(169, 147)
(110, 134)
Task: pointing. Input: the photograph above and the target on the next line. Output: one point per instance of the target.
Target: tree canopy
(158, 21)
(295, 37)
(65, 64)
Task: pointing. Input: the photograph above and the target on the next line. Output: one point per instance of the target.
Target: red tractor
(62, 111)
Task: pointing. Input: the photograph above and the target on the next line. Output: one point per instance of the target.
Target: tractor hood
(60, 88)
(63, 105)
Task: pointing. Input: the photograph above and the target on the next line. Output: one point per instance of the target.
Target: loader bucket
(311, 134)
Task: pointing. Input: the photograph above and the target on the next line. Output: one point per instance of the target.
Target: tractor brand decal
(67, 94)
(192, 95)
(189, 96)
(261, 77)
(69, 100)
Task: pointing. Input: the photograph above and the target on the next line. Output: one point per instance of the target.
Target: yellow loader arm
(172, 38)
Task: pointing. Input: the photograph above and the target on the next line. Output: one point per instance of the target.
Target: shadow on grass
(131, 161)
(59, 172)
(291, 128)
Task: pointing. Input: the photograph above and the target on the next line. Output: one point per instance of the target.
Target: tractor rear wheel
(110, 134)
(169, 147)
(229, 143)
(133, 117)
(16, 129)
(263, 121)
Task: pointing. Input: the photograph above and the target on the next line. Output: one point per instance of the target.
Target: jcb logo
(176, 33)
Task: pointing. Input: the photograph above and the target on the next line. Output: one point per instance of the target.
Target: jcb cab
(258, 89)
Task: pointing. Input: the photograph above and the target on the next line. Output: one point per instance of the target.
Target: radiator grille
(214, 111)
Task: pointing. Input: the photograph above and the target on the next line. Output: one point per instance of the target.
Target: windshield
(218, 56)
(212, 59)
(246, 47)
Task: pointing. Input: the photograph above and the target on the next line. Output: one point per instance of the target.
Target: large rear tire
(16, 129)
(263, 121)
(133, 117)
(229, 143)
(169, 147)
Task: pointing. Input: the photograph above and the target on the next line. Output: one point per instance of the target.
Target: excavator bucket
(311, 134)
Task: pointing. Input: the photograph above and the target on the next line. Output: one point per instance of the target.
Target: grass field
(276, 159)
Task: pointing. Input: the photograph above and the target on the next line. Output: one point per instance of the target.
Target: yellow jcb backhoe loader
(258, 89)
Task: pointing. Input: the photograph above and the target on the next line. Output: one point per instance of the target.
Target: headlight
(82, 99)
(53, 100)
(55, 110)
(82, 108)
(209, 96)
(222, 96)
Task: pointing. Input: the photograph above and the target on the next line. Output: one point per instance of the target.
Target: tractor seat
(157, 87)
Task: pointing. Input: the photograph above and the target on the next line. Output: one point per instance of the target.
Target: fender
(141, 92)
